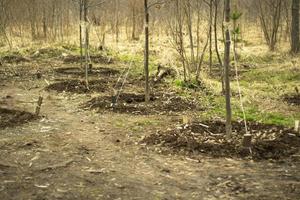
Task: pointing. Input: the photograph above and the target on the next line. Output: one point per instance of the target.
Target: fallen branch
(38, 108)
(162, 72)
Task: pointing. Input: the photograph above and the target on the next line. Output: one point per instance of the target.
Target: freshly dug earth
(78, 86)
(14, 59)
(293, 99)
(12, 118)
(80, 72)
(135, 104)
(94, 58)
(269, 141)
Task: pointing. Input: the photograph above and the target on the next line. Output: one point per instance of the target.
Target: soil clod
(293, 99)
(135, 104)
(79, 86)
(95, 58)
(76, 71)
(269, 141)
(12, 118)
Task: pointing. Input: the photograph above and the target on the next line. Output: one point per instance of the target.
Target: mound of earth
(14, 58)
(208, 138)
(79, 86)
(135, 104)
(293, 99)
(80, 72)
(12, 118)
(94, 58)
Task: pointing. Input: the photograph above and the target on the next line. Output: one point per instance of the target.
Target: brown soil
(269, 141)
(12, 118)
(80, 72)
(135, 104)
(79, 87)
(293, 99)
(94, 59)
(14, 59)
(76, 154)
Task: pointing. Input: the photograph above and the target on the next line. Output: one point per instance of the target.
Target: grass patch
(256, 114)
(216, 105)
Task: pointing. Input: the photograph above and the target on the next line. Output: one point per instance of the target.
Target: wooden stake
(38, 107)
(297, 122)
(246, 145)
(247, 141)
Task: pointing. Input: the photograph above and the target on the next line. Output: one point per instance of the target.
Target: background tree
(295, 27)
(270, 18)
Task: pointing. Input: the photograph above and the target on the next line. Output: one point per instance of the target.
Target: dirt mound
(94, 58)
(12, 118)
(293, 99)
(269, 141)
(14, 58)
(78, 86)
(135, 104)
(80, 72)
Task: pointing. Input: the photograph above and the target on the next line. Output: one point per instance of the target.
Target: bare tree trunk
(146, 61)
(210, 34)
(133, 37)
(44, 23)
(86, 44)
(216, 44)
(295, 27)
(201, 59)
(117, 29)
(80, 32)
(227, 68)
(270, 22)
(32, 13)
(190, 31)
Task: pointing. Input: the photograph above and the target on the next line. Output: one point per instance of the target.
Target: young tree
(227, 68)
(295, 27)
(86, 40)
(146, 55)
(146, 58)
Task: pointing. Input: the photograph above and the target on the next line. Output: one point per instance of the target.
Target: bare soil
(94, 58)
(101, 71)
(269, 141)
(14, 58)
(73, 153)
(12, 118)
(293, 99)
(135, 104)
(79, 86)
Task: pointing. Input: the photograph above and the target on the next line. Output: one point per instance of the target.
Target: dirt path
(77, 154)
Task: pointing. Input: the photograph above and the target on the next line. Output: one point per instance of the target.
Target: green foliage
(186, 84)
(236, 31)
(271, 77)
(256, 114)
(236, 15)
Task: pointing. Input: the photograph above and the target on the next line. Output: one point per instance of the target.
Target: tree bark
(216, 44)
(210, 34)
(295, 27)
(227, 68)
(86, 44)
(146, 59)
(80, 33)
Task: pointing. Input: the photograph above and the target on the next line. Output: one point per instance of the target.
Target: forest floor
(172, 148)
